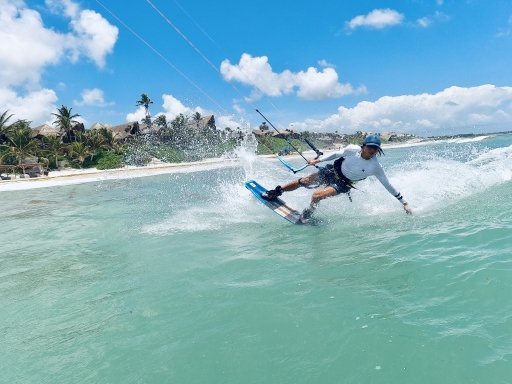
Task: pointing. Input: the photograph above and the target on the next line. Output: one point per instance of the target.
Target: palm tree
(54, 147)
(161, 121)
(179, 121)
(21, 145)
(145, 101)
(79, 151)
(108, 137)
(95, 141)
(178, 127)
(197, 118)
(4, 128)
(65, 121)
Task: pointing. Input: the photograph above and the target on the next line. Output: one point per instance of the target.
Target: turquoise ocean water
(186, 278)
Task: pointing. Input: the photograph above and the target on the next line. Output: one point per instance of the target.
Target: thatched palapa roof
(124, 131)
(45, 130)
(100, 126)
(204, 121)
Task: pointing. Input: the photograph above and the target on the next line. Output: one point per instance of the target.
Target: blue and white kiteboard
(277, 205)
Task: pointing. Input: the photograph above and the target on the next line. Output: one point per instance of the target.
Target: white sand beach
(78, 176)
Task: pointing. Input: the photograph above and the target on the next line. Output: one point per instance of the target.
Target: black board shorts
(328, 177)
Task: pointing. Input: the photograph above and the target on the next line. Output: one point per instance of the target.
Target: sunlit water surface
(186, 278)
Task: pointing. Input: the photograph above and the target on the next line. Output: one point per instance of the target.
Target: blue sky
(420, 66)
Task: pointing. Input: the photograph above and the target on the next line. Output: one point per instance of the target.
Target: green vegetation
(186, 138)
(272, 145)
(109, 160)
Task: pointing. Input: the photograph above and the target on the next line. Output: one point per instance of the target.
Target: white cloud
(28, 47)
(376, 19)
(66, 7)
(311, 84)
(138, 115)
(427, 21)
(92, 97)
(94, 35)
(173, 107)
(314, 85)
(424, 22)
(36, 106)
(452, 107)
(224, 121)
(324, 63)
(257, 72)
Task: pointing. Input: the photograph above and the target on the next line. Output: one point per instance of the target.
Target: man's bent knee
(324, 193)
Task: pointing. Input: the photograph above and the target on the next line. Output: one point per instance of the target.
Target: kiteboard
(277, 205)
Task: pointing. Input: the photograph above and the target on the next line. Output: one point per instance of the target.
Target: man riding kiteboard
(352, 164)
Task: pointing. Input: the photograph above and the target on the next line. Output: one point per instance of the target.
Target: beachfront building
(45, 130)
(204, 122)
(126, 131)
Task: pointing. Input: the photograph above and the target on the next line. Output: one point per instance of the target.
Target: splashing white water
(434, 183)
(428, 185)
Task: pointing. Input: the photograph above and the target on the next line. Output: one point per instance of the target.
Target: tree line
(182, 139)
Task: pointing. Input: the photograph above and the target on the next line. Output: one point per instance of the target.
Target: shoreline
(72, 176)
(79, 176)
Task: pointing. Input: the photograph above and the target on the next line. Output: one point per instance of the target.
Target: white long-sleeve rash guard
(355, 168)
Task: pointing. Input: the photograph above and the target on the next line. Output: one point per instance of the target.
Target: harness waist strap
(339, 174)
